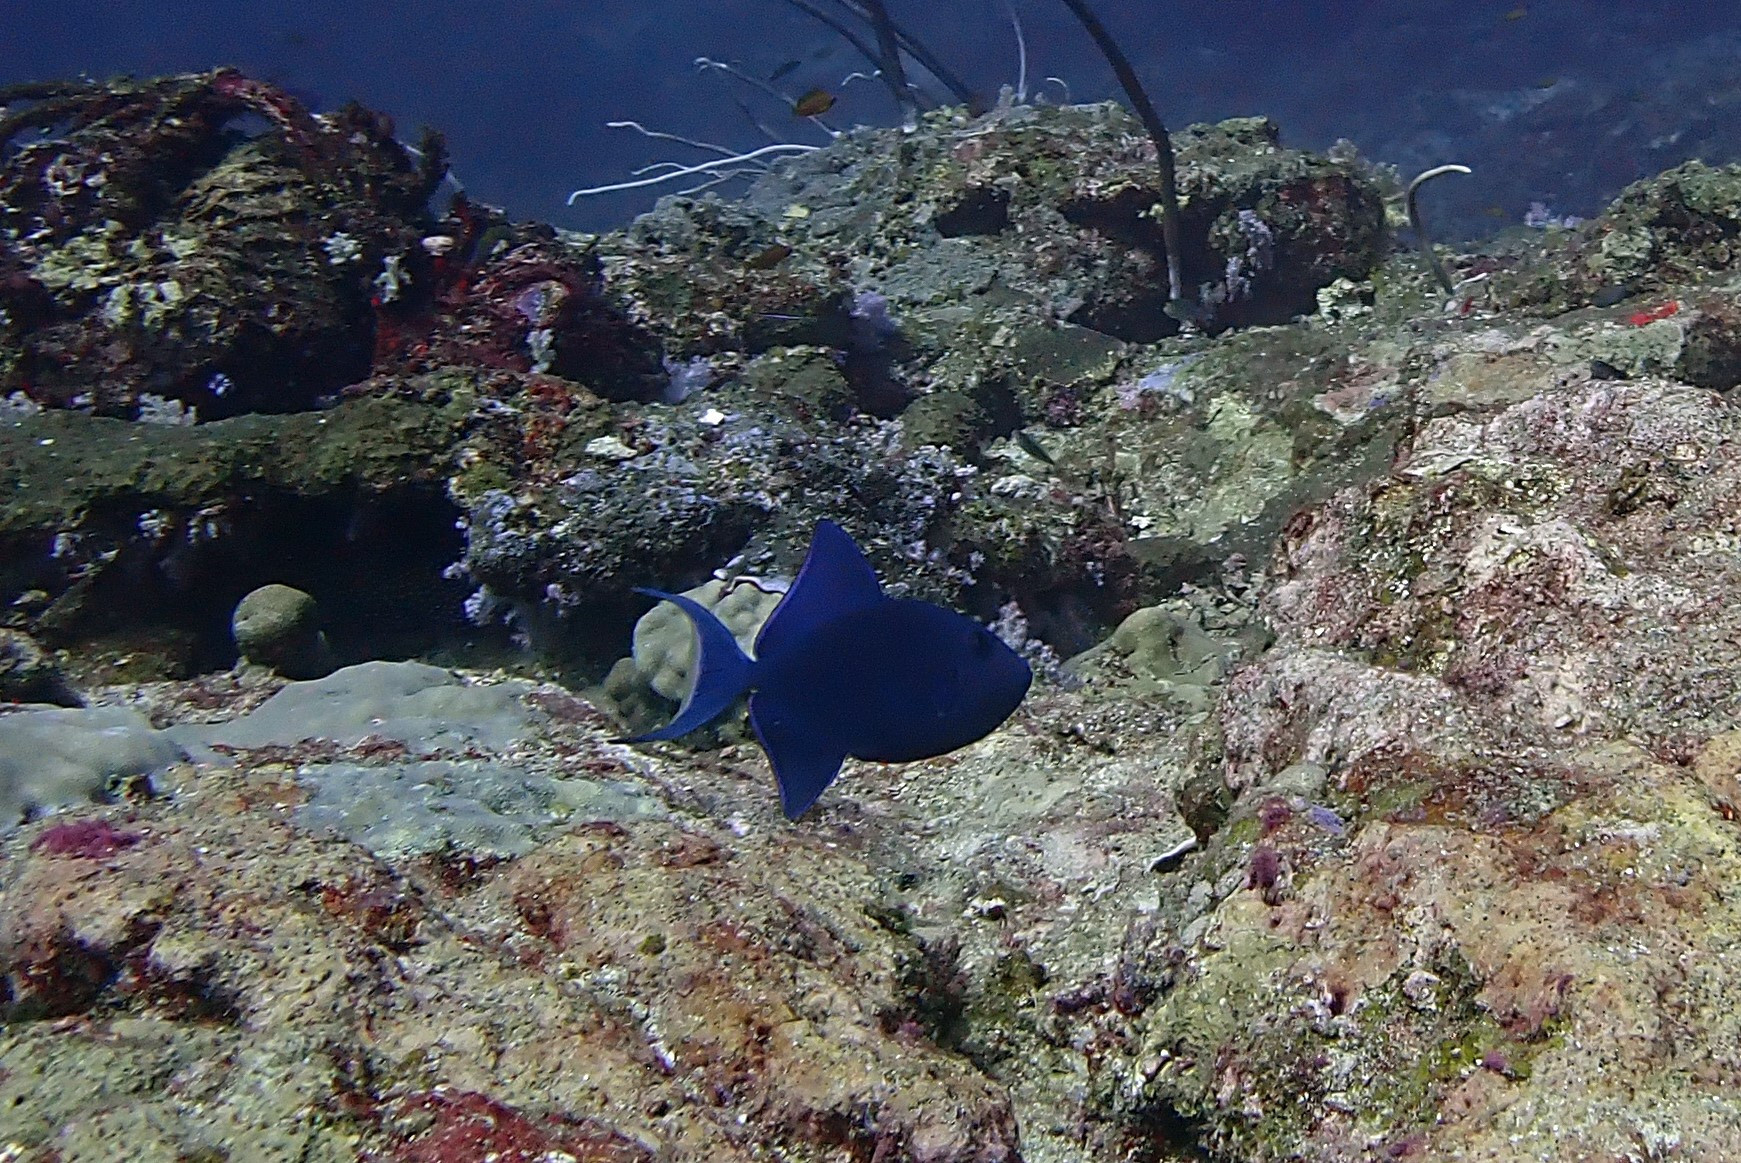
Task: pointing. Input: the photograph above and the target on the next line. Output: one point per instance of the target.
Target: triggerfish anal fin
(722, 671)
(835, 580)
(805, 760)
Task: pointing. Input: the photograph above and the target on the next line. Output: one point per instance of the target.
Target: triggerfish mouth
(841, 669)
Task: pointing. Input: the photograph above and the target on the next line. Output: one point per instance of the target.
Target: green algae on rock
(106, 523)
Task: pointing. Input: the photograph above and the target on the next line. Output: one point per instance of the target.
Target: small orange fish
(814, 103)
(1517, 13)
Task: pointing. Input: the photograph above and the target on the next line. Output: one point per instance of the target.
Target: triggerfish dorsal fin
(834, 580)
(805, 760)
(722, 671)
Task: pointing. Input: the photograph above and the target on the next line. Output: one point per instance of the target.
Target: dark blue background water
(1562, 104)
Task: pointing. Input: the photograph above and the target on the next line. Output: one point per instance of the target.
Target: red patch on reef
(1525, 997)
(1264, 873)
(381, 912)
(1640, 318)
(84, 839)
(50, 973)
(464, 1127)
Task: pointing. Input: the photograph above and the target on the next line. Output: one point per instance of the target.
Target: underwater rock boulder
(114, 527)
(278, 627)
(168, 268)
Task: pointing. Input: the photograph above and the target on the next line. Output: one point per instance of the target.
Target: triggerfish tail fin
(805, 760)
(722, 671)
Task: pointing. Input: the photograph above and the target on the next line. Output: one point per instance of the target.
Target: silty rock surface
(204, 972)
(1513, 664)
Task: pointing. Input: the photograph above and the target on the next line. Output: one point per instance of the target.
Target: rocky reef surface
(1380, 798)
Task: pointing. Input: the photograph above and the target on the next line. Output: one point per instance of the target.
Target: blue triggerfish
(843, 669)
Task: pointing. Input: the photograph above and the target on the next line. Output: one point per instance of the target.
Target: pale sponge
(58, 757)
(424, 707)
(456, 790)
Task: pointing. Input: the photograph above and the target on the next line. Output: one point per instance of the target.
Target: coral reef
(152, 253)
(1673, 230)
(636, 408)
(994, 286)
(1384, 804)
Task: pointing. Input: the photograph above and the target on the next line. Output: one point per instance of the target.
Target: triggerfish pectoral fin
(722, 671)
(805, 760)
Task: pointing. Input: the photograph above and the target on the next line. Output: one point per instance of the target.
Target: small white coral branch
(715, 167)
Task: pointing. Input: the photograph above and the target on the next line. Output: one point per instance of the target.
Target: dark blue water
(1556, 101)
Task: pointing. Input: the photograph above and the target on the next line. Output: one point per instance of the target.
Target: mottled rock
(152, 240)
(1671, 230)
(109, 526)
(29, 674)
